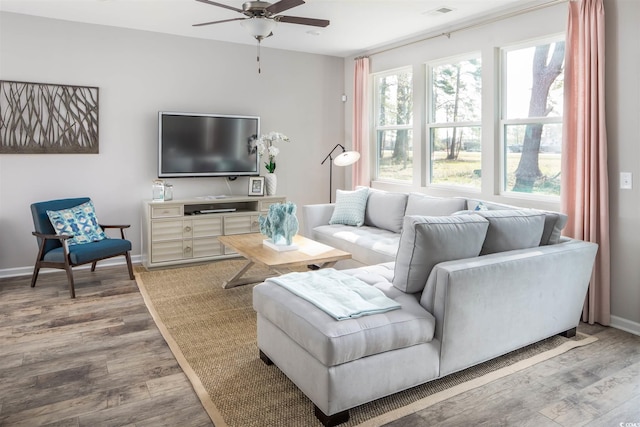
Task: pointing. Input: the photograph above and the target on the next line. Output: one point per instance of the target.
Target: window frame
(503, 122)
(376, 127)
(431, 124)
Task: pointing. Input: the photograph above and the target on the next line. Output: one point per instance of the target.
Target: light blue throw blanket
(338, 294)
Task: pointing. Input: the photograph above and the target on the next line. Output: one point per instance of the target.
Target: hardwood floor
(94, 361)
(597, 385)
(99, 360)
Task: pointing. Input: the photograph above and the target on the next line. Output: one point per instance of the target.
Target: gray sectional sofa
(474, 280)
(376, 241)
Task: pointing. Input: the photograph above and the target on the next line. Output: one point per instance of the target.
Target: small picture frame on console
(256, 185)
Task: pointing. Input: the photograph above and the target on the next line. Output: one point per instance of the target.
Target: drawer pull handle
(187, 249)
(187, 229)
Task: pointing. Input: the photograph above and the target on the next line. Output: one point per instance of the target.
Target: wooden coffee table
(250, 246)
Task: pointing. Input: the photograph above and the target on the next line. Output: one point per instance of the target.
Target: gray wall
(140, 73)
(623, 124)
(623, 134)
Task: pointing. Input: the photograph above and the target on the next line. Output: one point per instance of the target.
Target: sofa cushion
(428, 240)
(554, 222)
(421, 204)
(334, 342)
(385, 210)
(82, 254)
(350, 207)
(512, 229)
(370, 245)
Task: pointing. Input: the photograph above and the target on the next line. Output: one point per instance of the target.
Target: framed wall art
(43, 118)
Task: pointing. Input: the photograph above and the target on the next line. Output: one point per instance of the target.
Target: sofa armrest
(315, 215)
(497, 303)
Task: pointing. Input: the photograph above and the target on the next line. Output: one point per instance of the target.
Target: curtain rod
(473, 25)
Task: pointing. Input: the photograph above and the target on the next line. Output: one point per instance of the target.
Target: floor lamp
(345, 158)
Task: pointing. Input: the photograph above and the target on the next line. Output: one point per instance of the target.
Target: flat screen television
(199, 145)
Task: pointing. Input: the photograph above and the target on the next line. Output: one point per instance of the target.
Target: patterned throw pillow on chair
(79, 221)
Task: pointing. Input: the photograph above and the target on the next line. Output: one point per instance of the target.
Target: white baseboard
(28, 271)
(625, 325)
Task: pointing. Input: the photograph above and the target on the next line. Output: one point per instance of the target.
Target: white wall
(623, 123)
(140, 73)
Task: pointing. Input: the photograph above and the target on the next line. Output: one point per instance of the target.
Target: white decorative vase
(270, 183)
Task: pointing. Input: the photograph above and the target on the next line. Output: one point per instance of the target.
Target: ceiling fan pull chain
(258, 58)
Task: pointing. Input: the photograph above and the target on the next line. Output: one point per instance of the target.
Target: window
(531, 124)
(454, 122)
(394, 125)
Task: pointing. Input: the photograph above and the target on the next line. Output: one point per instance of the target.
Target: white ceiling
(356, 25)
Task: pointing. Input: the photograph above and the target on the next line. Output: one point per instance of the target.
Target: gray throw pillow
(429, 240)
(512, 229)
(554, 222)
(385, 210)
(421, 204)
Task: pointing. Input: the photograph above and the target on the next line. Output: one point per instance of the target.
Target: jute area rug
(212, 333)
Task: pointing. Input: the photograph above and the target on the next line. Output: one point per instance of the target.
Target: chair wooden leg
(129, 266)
(72, 290)
(34, 276)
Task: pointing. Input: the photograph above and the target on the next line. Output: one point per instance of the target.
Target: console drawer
(205, 227)
(241, 224)
(166, 211)
(263, 206)
(166, 230)
(206, 247)
(167, 251)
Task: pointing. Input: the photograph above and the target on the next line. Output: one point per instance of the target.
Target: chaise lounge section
(467, 294)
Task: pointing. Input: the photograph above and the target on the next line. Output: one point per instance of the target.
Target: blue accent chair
(54, 252)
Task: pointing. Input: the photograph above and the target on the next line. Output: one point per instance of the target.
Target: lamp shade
(347, 158)
(259, 27)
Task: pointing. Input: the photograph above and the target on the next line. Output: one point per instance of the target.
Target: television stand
(186, 231)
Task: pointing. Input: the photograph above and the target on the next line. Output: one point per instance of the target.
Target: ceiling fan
(261, 16)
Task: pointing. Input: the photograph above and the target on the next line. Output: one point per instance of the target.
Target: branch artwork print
(38, 118)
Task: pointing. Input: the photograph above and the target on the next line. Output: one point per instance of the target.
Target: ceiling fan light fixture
(259, 27)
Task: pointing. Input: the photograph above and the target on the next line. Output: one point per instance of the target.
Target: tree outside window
(454, 122)
(533, 88)
(394, 125)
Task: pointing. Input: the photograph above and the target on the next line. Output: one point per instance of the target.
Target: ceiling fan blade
(283, 5)
(218, 22)
(213, 3)
(303, 21)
